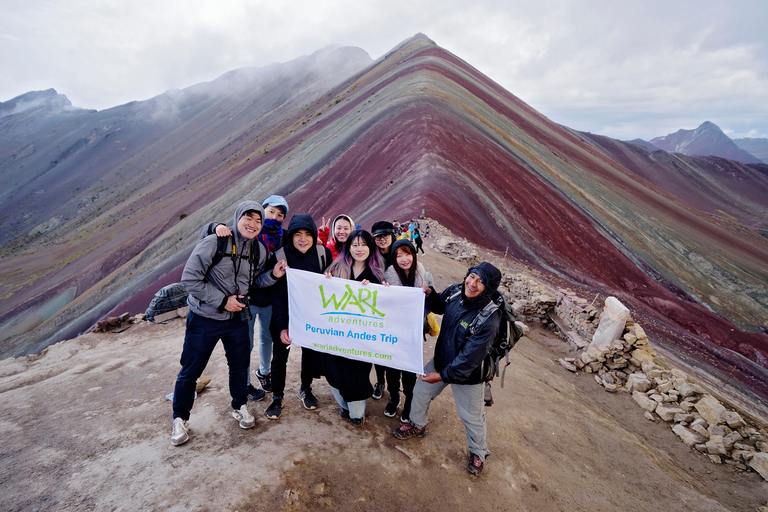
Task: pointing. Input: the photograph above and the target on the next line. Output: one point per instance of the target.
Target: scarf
(271, 233)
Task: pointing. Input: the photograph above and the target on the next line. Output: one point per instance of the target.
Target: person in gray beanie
(459, 355)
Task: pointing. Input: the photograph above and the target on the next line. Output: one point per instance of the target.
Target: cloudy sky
(619, 68)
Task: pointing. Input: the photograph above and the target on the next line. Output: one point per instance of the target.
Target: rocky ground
(86, 426)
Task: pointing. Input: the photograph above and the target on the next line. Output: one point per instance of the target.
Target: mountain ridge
(422, 129)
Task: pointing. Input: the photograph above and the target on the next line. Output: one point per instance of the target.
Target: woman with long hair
(358, 260)
(405, 271)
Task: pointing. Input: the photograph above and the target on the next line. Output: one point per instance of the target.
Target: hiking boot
(344, 413)
(391, 409)
(275, 409)
(255, 394)
(378, 390)
(244, 417)
(180, 434)
(308, 400)
(409, 430)
(358, 422)
(474, 464)
(265, 381)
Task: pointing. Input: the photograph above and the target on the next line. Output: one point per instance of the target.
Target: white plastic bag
(612, 321)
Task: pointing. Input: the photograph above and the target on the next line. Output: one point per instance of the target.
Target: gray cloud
(623, 69)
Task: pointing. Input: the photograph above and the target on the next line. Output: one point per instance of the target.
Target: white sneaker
(180, 434)
(244, 417)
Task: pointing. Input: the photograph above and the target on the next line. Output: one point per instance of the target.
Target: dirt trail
(86, 427)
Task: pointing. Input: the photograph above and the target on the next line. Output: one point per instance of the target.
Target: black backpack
(506, 338)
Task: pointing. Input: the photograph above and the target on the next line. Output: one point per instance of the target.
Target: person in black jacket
(302, 253)
(459, 353)
(358, 260)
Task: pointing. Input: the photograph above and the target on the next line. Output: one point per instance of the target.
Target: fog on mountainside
(106, 206)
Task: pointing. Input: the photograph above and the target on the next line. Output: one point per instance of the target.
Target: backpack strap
(222, 243)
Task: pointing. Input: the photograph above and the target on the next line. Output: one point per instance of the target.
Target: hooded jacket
(326, 236)
(458, 356)
(296, 259)
(230, 276)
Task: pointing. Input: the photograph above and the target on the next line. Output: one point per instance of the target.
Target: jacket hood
(241, 209)
(300, 221)
(490, 277)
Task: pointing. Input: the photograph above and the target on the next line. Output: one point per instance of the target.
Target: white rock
(688, 436)
(644, 402)
(715, 446)
(760, 464)
(711, 410)
(638, 382)
(734, 420)
(667, 413)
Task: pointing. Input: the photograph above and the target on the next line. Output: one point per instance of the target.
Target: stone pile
(582, 316)
(698, 418)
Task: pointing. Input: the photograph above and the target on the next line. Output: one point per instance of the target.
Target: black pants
(393, 386)
(280, 353)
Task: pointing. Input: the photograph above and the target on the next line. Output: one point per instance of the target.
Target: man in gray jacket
(216, 291)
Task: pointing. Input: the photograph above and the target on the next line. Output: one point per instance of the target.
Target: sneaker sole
(390, 415)
(305, 405)
(273, 417)
(179, 443)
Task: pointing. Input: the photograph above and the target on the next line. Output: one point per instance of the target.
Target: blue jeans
(356, 409)
(200, 339)
(264, 315)
(470, 404)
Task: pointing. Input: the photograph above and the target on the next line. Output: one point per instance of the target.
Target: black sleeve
(280, 304)
(435, 302)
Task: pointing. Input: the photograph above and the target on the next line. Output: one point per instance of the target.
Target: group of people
(235, 277)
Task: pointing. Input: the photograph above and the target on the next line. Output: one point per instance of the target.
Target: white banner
(374, 323)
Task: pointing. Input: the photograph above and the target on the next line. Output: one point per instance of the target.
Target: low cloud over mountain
(100, 208)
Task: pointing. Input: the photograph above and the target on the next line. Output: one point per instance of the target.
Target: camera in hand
(245, 313)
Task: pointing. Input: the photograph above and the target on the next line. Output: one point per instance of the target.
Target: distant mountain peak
(48, 101)
(707, 139)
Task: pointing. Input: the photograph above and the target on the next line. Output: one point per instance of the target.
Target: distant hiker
(412, 226)
(275, 211)
(418, 240)
(384, 235)
(349, 379)
(301, 252)
(335, 237)
(405, 271)
(216, 292)
(459, 355)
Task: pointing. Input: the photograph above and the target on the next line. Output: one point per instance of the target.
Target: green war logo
(360, 303)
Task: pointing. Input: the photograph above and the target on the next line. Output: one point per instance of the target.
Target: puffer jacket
(230, 276)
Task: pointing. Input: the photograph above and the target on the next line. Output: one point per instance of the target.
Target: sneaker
(409, 430)
(358, 422)
(180, 434)
(391, 409)
(474, 464)
(265, 381)
(308, 400)
(378, 390)
(244, 417)
(255, 394)
(344, 413)
(275, 409)
(404, 418)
